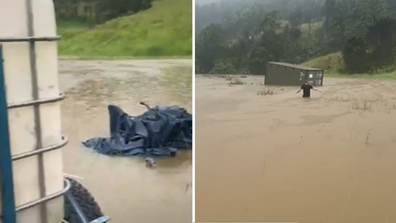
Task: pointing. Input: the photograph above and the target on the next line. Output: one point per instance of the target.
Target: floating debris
(150, 162)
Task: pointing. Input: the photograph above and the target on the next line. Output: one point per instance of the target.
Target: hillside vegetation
(333, 65)
(342, 36)
(165, 29)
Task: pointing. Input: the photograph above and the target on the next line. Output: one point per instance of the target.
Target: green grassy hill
(161, 31)
(333, 64)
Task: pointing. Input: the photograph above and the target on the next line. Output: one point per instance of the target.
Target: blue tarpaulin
(160, 131)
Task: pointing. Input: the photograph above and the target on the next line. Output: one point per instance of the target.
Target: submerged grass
(163, 30)
(391, 75)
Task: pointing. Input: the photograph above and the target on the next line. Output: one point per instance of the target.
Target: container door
(319, 78)
(315, 78)
(303, 77)
(312, 77)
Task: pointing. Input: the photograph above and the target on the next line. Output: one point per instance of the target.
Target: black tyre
(86, 202)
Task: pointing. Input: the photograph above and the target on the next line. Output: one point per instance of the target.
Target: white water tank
(36, 175)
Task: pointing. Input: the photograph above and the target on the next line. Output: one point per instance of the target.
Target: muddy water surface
(126, 190)
(268, 155)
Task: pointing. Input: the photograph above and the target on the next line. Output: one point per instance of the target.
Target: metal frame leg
(6, 174)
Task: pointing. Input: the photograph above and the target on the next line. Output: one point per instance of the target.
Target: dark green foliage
(380, 38)
(222, 67)
(375, 51)
(251, 33)
(257, 60)
(355, 55)
(98, 11)
(115, 8)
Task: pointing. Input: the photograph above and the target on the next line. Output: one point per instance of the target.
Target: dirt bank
(126, 190)
(266, 154)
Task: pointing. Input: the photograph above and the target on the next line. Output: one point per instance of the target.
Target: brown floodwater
(125, 188)
(275, 157)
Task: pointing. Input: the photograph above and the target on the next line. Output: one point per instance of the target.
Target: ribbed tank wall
(31, 129)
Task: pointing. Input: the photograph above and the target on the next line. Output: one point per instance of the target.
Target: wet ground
(268, 155)
(125, 188)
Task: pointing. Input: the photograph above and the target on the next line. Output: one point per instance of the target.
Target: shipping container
(286, 74)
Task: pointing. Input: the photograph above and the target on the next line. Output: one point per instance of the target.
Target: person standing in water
(306, 88)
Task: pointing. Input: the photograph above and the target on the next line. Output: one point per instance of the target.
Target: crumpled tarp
(160, 131)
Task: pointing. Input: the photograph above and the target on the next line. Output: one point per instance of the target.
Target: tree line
(98, 11)
(235, 36)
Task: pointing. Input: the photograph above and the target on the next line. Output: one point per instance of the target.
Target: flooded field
(125, 188)
(268, 155)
